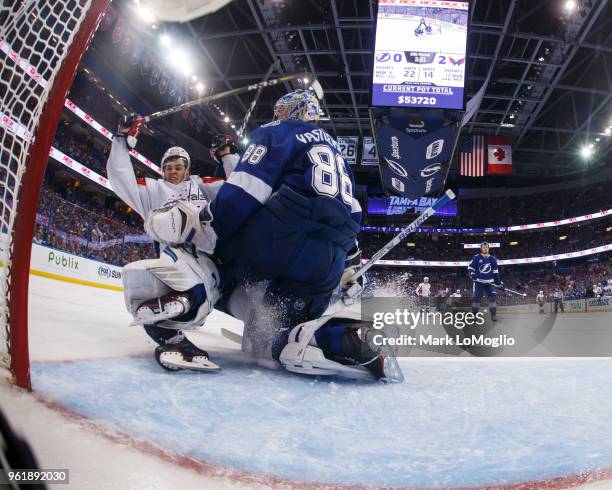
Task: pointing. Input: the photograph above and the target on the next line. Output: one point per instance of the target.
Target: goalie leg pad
(176, 270)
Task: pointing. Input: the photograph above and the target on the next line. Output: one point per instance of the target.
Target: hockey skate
(360, 358)
(170, 305)
(184, 355)
(359, 350)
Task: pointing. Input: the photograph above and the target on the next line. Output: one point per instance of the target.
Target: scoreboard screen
(419, 54)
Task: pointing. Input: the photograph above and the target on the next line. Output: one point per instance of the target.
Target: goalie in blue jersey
(287, 215)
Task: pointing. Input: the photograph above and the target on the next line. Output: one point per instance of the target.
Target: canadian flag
(499, 154)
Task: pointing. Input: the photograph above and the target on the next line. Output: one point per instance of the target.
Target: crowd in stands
(536, 243)
(578, 280)
(535, 208)
(75, 225)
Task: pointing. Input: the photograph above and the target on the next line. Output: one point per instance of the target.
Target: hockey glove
(129, 127)
(472, 276)
(352, 289)
(222, 144)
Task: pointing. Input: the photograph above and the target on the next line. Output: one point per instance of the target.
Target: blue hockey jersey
(485, 268)
(296, 154)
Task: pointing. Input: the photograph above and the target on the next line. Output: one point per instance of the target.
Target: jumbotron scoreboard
(420, 53)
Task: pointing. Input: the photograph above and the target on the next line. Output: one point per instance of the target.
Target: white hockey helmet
(426, 279)
(176, 152)
(541, 292)
(301, 105)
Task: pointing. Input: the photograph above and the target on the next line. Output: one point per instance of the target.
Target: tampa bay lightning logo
(382, 57)
(397, 168)
(485, 269)
(430, 170)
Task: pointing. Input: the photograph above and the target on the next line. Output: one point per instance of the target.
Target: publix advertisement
(50, 262)
(55, 264)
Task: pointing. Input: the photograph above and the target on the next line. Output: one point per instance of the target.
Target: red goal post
(40, 40)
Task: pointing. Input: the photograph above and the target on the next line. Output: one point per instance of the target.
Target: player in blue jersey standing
(484, 272)
(286, 215)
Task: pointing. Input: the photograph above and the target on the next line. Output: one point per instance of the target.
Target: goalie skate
(360, 359)
(184, 355)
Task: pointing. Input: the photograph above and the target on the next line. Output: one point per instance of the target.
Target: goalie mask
(300, 105)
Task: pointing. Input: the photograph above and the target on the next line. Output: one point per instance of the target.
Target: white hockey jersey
(423, 289)
(145, 195)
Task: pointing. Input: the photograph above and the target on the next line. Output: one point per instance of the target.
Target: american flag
(472, 155)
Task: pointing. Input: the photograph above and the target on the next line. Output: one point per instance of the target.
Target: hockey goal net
(41, 44)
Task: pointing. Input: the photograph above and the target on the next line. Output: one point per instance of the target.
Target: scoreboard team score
(420, 52)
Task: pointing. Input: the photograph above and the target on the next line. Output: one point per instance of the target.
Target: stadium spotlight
(569, 6)
(233, 126)
(598, 139)
(607, 131)
(245, 140)
(180, 60)
(200, 87)
(227, 119)
(165, 40)
(145, 14)
(562, 237)
(513, 243)
(586, 151)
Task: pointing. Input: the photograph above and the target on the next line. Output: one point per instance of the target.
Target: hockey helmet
(176, 152)
(426, 279)
(219, 142)
(301, 105)
(484, 244)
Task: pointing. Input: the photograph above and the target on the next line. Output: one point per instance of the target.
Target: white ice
(455, 422)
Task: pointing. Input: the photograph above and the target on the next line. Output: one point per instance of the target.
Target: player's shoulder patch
(141, 181)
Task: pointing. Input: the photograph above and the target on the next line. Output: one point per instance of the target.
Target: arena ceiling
(547, 73)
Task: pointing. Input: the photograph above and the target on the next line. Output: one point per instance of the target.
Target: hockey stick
(247, 116)
(233, 336)
(446, 198)
(502, 288)
(316, 86)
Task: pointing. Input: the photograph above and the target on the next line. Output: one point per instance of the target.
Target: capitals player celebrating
(484, 272)
(181, 283)
(287, 215)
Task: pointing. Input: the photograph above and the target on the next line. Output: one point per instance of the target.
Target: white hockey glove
(175, 224)
(351, 290)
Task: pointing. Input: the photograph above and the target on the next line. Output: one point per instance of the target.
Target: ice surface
(459, 422)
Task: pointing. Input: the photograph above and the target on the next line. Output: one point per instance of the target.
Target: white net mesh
(34, 40)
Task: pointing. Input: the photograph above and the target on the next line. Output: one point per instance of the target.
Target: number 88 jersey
(293, 153)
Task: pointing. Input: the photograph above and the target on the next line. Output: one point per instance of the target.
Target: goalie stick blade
(316, 86)
(229, 335)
